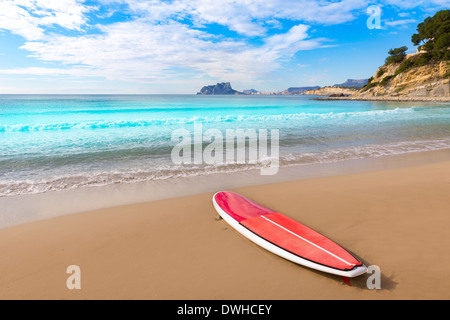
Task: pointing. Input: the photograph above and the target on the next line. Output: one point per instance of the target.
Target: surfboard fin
(346, 280)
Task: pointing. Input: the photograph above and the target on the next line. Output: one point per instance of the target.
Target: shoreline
(177, 248)
(29, 208)
(388, 98)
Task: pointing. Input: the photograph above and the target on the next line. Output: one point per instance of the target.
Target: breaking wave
(111, 124)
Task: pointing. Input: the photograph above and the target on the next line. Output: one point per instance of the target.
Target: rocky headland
(223, 88)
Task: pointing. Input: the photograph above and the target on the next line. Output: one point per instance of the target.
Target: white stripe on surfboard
(312, 243)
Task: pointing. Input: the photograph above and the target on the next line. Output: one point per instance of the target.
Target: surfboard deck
(286, 237)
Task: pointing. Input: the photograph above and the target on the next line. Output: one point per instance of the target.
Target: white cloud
(399, 23)
(39, 71)
(248, 17)
(407, 4)
(29, 18)
(164, 40)
(157, 43)
(141, 51)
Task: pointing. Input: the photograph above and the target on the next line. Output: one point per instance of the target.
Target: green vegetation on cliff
(396, 55)
(433, 36)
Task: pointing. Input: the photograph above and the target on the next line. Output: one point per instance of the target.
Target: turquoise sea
(57, 142)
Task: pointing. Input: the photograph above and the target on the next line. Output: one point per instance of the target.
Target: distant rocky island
(223, 88)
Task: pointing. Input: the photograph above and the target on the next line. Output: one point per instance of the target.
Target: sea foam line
(111, 124)
(13, 187)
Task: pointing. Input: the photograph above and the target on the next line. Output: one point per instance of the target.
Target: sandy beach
(396, 219)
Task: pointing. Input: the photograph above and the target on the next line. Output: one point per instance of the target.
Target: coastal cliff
(430, 80)
(424, 75)
(223, 88)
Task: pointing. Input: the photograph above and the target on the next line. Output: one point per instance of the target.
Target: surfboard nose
(238, 207)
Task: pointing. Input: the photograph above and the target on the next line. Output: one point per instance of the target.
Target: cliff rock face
(218, 89)
(431, 80)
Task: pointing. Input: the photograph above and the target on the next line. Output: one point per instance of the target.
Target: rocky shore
(388, 98)
(332, 91)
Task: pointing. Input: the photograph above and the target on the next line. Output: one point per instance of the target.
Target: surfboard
(286, 237)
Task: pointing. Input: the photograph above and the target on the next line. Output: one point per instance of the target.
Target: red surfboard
(285, 236)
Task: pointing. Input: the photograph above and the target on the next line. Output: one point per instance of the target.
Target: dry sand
(178, 248)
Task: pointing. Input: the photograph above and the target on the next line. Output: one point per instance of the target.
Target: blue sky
(177, 46)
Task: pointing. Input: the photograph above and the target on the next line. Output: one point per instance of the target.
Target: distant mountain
(250, 91)
(297, 90)
(223, 88)
(358, 83)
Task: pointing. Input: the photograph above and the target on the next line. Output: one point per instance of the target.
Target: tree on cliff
(434, 34)
(396, 55)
